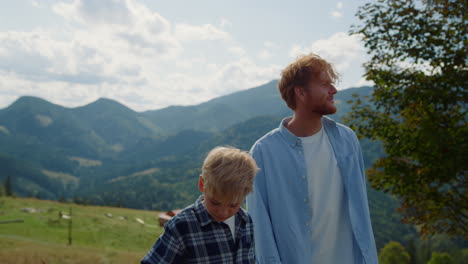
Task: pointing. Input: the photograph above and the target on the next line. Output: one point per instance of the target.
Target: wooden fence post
(70, 228)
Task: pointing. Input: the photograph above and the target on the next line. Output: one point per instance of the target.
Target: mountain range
(105, 153)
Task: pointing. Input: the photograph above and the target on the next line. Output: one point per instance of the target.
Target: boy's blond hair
(228, 174)
(300, 73)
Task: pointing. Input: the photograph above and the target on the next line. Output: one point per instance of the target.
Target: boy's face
(219, 210)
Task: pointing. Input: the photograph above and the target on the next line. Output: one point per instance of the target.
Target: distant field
(96, 237)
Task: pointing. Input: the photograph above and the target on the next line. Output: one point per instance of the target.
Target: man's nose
(333, 90)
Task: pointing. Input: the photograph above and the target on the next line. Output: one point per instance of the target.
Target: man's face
(318, 96)
(219, 210)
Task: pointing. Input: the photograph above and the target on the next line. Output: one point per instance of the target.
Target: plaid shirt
(192, 236)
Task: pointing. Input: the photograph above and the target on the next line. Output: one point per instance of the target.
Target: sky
(150, 54)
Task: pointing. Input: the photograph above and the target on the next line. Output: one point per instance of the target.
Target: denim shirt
(279, 203)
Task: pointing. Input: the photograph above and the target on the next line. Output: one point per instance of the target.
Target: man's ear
(200, 184)
(299, 93)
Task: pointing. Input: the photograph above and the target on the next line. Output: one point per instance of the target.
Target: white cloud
(187, 32)
(37, 56)
(237, 50)
(336, 14)
(341, 49)
(225, 23)
(363, 82)
(423, 66)
(119, 24)
(241, 74)
(269, 44)
(35, 3)
(345, 52)
(265, 54)
(297, 50)
(269, 50)
(132, 54)
(95, 12)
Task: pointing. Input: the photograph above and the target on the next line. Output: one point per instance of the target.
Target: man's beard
(326, 109)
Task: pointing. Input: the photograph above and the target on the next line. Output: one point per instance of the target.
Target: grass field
(96, 237)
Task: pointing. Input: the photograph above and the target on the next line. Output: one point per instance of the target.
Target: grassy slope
(43, 238)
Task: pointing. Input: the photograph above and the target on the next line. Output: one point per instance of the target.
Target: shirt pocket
(246, 250)
(246, 241)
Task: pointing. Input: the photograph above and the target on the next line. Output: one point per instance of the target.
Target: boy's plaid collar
(205, 218)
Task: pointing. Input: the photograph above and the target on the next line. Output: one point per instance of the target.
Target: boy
(214, 229)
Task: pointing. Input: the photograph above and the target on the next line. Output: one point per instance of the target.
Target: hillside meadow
(96, 237)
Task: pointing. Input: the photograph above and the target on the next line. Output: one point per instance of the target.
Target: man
(309, 203)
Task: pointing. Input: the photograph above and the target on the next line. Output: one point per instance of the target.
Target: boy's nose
(225, 212)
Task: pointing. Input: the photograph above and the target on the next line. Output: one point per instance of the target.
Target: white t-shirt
(231, 222)
(330, 224)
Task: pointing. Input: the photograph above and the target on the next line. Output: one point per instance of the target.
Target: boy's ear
(200, 184)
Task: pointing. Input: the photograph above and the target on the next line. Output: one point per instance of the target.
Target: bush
(440, 258)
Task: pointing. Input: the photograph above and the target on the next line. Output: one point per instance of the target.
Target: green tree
(2, 190)
(8, 186)
(418, 108)
(412, 251)
(440, 258)
(463, 256)
(393, 253)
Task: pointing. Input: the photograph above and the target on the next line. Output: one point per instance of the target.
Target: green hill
(105, 139)
(116, 124)
(222, 112)
(96, 237)
(30, 179)
(101, 129)
(104, 153)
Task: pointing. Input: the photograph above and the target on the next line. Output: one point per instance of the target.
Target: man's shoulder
(343, 129)
(268, 138)
(342, 136)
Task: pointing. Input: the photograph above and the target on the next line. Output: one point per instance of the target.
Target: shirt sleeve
(360, 158)
(266, 250)
(168, 248)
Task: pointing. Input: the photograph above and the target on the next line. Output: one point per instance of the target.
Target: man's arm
(371, 256)
(361, 159)
(266, 250)
(167, 249)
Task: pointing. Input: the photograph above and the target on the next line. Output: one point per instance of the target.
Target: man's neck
(304, 126)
